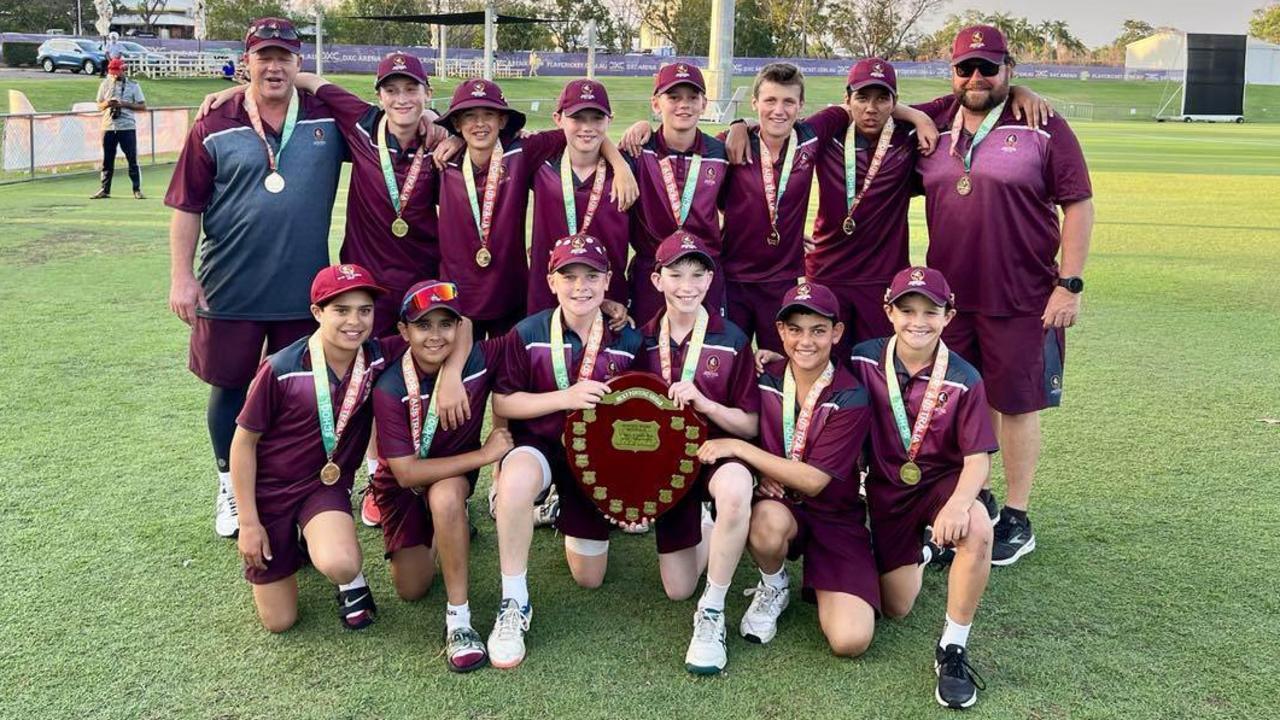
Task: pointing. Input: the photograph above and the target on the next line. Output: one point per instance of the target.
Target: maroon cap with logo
(272, 32)
(812, 297)
(481, 94)
(581, 95)
(873, 71)
(429, 295)
(681, 244)
(985, 42)
(923, 280)
(337, 279)
(583, 249)
(401, 63)
(675, 74)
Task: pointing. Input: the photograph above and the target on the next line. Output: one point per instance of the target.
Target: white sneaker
(760, 621)
(706, 654)
(226, 518)
(546, 512)
(506, 642)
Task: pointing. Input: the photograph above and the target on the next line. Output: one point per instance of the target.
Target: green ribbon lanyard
(789, 406)
(414, 391)
(696, 340)
(329, 430)
(912, 439)
(388, 170)
(792, 144)
(984, 130)
(590, 349)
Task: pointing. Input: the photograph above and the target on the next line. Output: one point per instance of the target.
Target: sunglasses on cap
(427, 297)
(267, 32)
(986, 67)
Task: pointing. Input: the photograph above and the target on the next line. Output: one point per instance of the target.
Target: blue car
(71, 54)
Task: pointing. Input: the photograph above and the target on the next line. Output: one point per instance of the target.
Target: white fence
(47, 144)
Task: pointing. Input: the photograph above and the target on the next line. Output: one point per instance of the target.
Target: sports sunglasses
(425, 298)
(986, 67)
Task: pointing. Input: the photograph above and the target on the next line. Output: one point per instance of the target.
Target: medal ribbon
(692, 355)
(984, 129)
(852, 197)
(680, 202)
(483, 215)
(290, 121)
(912, 438)
(330, 431)
(389, 172)
(795, 431)
(422, 433)
(772, 196)
(570, 202)
(589, 350)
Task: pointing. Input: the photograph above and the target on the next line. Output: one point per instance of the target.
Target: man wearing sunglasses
(259, 177)
(992, 196)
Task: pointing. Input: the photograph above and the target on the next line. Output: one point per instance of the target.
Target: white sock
(224, 482)
(371, 464)
(954, 634)
(358, 582)
(516, 587)
(778, 580)
(457, 616)
(713, 596)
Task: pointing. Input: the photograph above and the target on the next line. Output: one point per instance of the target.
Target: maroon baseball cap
(579, 248)
(681, 244)
(337, 279)
(481, 94)
(429, 295)
(401, 63)
(923, 280)
(675, 74)
(812, 297)
(581, 95)
(872, 71)
(979, 41)
(272, 32)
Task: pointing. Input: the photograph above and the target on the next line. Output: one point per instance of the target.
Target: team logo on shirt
(1010, 143)
(318, 134)
(711, 177)
(975, 40)
(713, 367)
(477, 90)
(1056, 382)
(877, 71)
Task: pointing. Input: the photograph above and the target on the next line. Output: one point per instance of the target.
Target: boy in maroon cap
(931, 441)
(992, 197)
(556, 361)
(428, 471)
(813, 423)
(708, 362)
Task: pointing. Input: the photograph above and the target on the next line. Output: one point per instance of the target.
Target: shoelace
(707, 627)
(766, 596)
(511, 620)
(957, 665)
(231, 502)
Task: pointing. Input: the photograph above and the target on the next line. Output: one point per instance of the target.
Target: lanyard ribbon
(984, 129)
(680, 201)
(694, 352)
(570, 201)
(290, 121)
(589, 350)
(772, 196)
(483, 215)
(422, 432)
(912, 437)
(852, 197)
(389, 172)
(330, 431)
(795, 431)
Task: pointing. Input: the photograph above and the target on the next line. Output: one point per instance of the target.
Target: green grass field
(1151, 594)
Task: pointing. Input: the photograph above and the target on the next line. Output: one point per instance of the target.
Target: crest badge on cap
(682, 70)
(588, 92)
(804, 292)
(398, 63)
(917, 277)
(477, 90)
(348, 272)
(975, 40)
(877, 71)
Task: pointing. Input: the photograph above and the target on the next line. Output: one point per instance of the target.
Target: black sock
(1014, 514)
(224, 406)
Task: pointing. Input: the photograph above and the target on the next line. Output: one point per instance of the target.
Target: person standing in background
(118, 99)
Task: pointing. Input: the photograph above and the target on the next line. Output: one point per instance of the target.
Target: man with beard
(992, 193)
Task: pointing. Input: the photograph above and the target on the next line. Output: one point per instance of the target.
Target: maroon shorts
(899, 516)
(227, 353)
(681, 527)
(754, 308)
(406, 517)
(837, 554)
(1021, 362)
(283, 525)
(862, 312)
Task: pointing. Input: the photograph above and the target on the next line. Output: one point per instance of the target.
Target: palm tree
(1058, 38)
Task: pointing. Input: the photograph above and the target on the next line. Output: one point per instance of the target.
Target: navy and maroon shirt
(609, 225)
(260, 249)
(281, 406)
(960, 426)
(497, 291)
(837, 432)
(652, 218)
(998, 246)
(726, 369)
(527, 368)
(396, 262)
(391, 409)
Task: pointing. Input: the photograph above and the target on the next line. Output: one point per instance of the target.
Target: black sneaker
(356, 608)
(935, 555)
(958, 682)
(1013, 539)
(989, 502)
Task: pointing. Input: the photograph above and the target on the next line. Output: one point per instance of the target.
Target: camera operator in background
(118, 99)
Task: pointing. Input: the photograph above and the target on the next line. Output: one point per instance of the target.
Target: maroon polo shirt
(878, 247)
(281, 406)
(837, 432)
(499, 290)
(998, 246)
(527, 368)
(726, 369)
(610, 226)
(396, 262)
(745, 252)
(652, 216)
(391, 409)
(960, 426)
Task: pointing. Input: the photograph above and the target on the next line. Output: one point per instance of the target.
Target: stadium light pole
(591, 49)
(490, 38)
(720, 62)
(320, 39)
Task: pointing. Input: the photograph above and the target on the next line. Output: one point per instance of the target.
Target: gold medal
(848, 226)
(399, 227)
(774, 237)
(910, 473)
(329, 473)
(483, 257)
(274, 183)
(963, 185)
